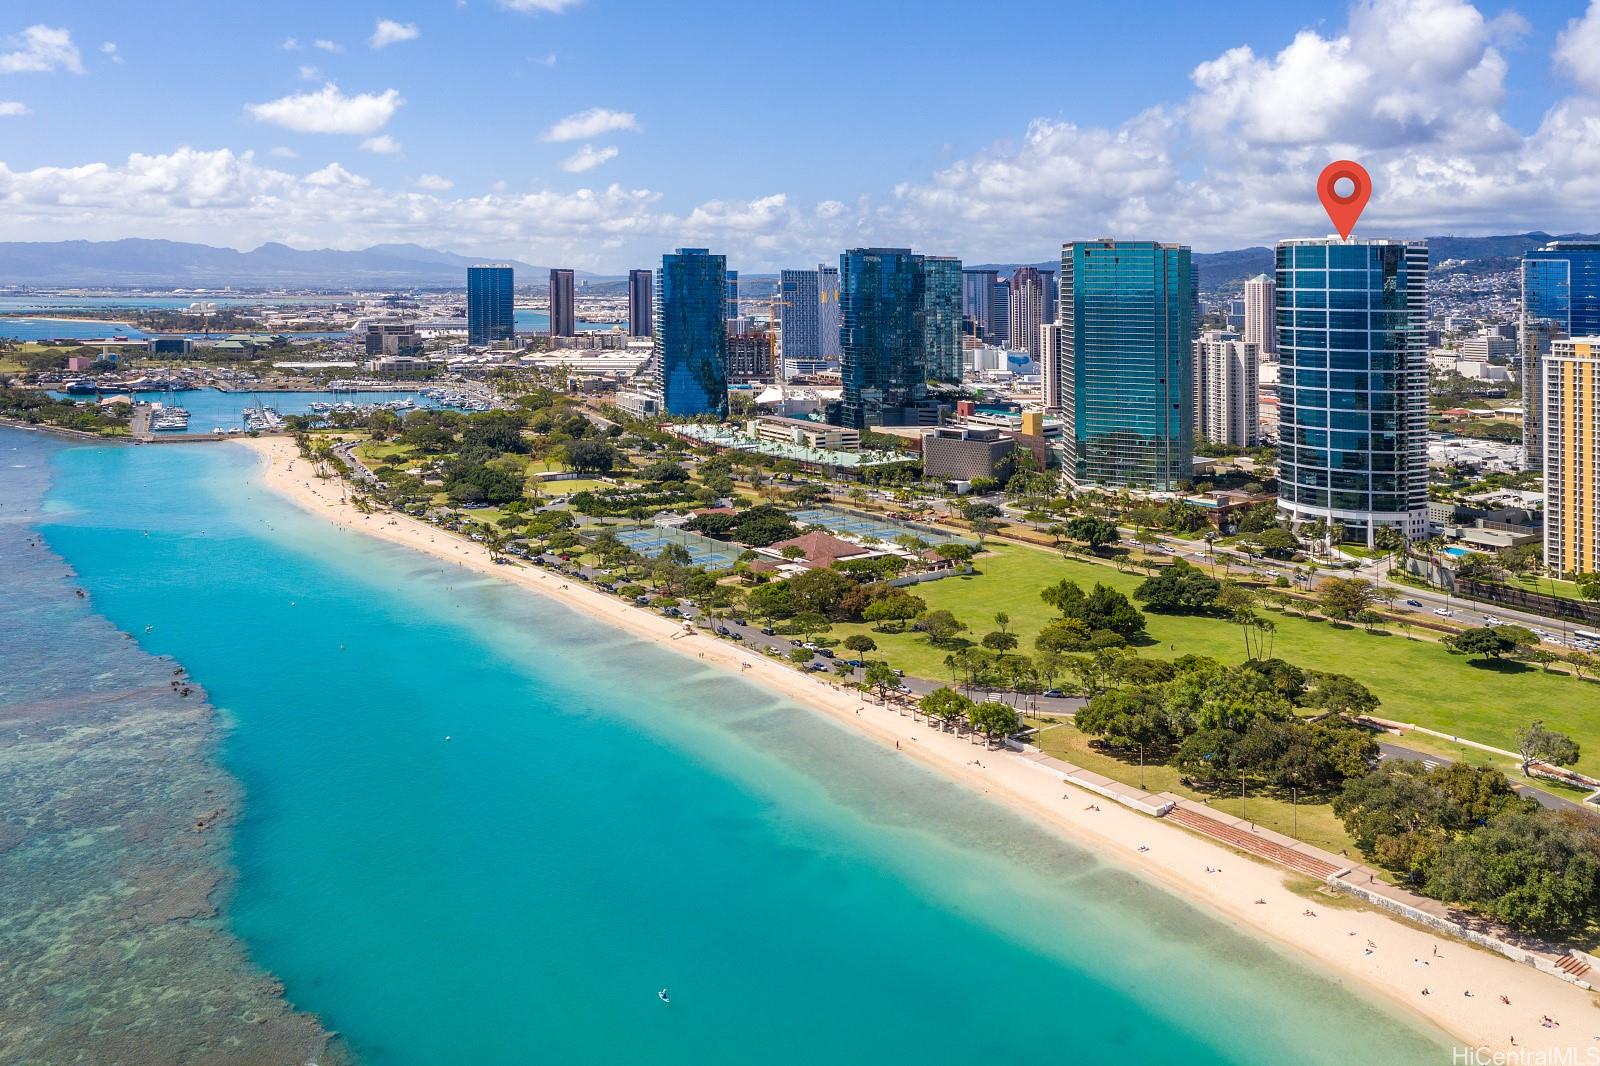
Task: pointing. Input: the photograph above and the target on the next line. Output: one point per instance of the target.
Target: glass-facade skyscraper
(1351, 320)
(942, 297)
(563, 304)
(999, 312)
(690, 358)
(977, 296)
(883, 335)
(1561, 284)
(828, 310)
(733, 293)
(1560, 298)
(641, 293)
(490, 315)
(1127, 325)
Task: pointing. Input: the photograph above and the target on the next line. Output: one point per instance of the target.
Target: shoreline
(1332, 942)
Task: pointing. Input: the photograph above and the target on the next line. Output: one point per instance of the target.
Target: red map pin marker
(1344, 210)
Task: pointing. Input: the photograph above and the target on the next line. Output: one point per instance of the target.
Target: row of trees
(1266, 721)
(953, 710)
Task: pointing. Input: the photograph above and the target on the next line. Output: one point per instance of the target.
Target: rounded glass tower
(1351, 320)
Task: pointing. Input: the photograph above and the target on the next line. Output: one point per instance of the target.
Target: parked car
(1053, 693)
(768, 631)
(826, 653)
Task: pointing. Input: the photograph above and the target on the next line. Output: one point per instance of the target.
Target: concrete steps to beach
(1570, 963)
(1254, 843)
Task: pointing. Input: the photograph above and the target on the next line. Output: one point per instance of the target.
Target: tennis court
(703, 551)
(878, 528)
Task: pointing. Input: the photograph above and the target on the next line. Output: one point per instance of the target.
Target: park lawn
(1418, 681)
(376, 453)
(1312, 822)
(566, 488)
(487, 516)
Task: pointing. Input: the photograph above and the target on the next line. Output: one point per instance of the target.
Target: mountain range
(163, 264)
(135, 262)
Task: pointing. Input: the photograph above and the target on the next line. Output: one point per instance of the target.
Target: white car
(1491, 620)
(1443, 612)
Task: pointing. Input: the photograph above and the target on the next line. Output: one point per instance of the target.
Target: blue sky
(597, 133)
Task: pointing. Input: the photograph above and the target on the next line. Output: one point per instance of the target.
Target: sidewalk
(1338, 872)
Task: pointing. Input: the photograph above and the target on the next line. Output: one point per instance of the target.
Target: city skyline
(342, 129)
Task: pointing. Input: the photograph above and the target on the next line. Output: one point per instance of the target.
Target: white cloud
(551, 7)
(12, 107)
(330, 111)
(1578, 49)
(291, 44)
(38, 49)
(1412, 88)
(595, 122)
(220, 197)
(587, 158)
(390, 32)
(284, 152)
(335, 176)
(1415, 89)
(309, 72)
(383, 144)
(109, 50)
(326, 45)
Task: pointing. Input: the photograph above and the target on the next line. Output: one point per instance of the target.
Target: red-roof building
(820, 549)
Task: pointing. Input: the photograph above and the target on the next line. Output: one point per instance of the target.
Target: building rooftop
(822, 549)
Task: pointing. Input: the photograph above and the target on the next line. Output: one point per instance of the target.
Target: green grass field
(1417, 680)
(566, 488)
(376, 453)
(1547, 587)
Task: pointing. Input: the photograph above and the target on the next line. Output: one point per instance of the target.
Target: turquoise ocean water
(608, 818)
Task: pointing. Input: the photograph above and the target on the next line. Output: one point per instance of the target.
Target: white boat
(662, 995)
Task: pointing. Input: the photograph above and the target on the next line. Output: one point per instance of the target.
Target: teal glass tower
(942, 296)
(882, 335)
(1351, 320)
(1561, 285)
(1127, 323)
(490, 316)
(690, 357)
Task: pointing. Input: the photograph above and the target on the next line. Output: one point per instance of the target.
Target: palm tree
(495, 540)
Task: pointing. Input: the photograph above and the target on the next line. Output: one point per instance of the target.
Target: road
(1391, 750)
(758, 640)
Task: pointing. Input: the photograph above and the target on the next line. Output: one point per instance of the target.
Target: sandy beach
(1365, 949)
